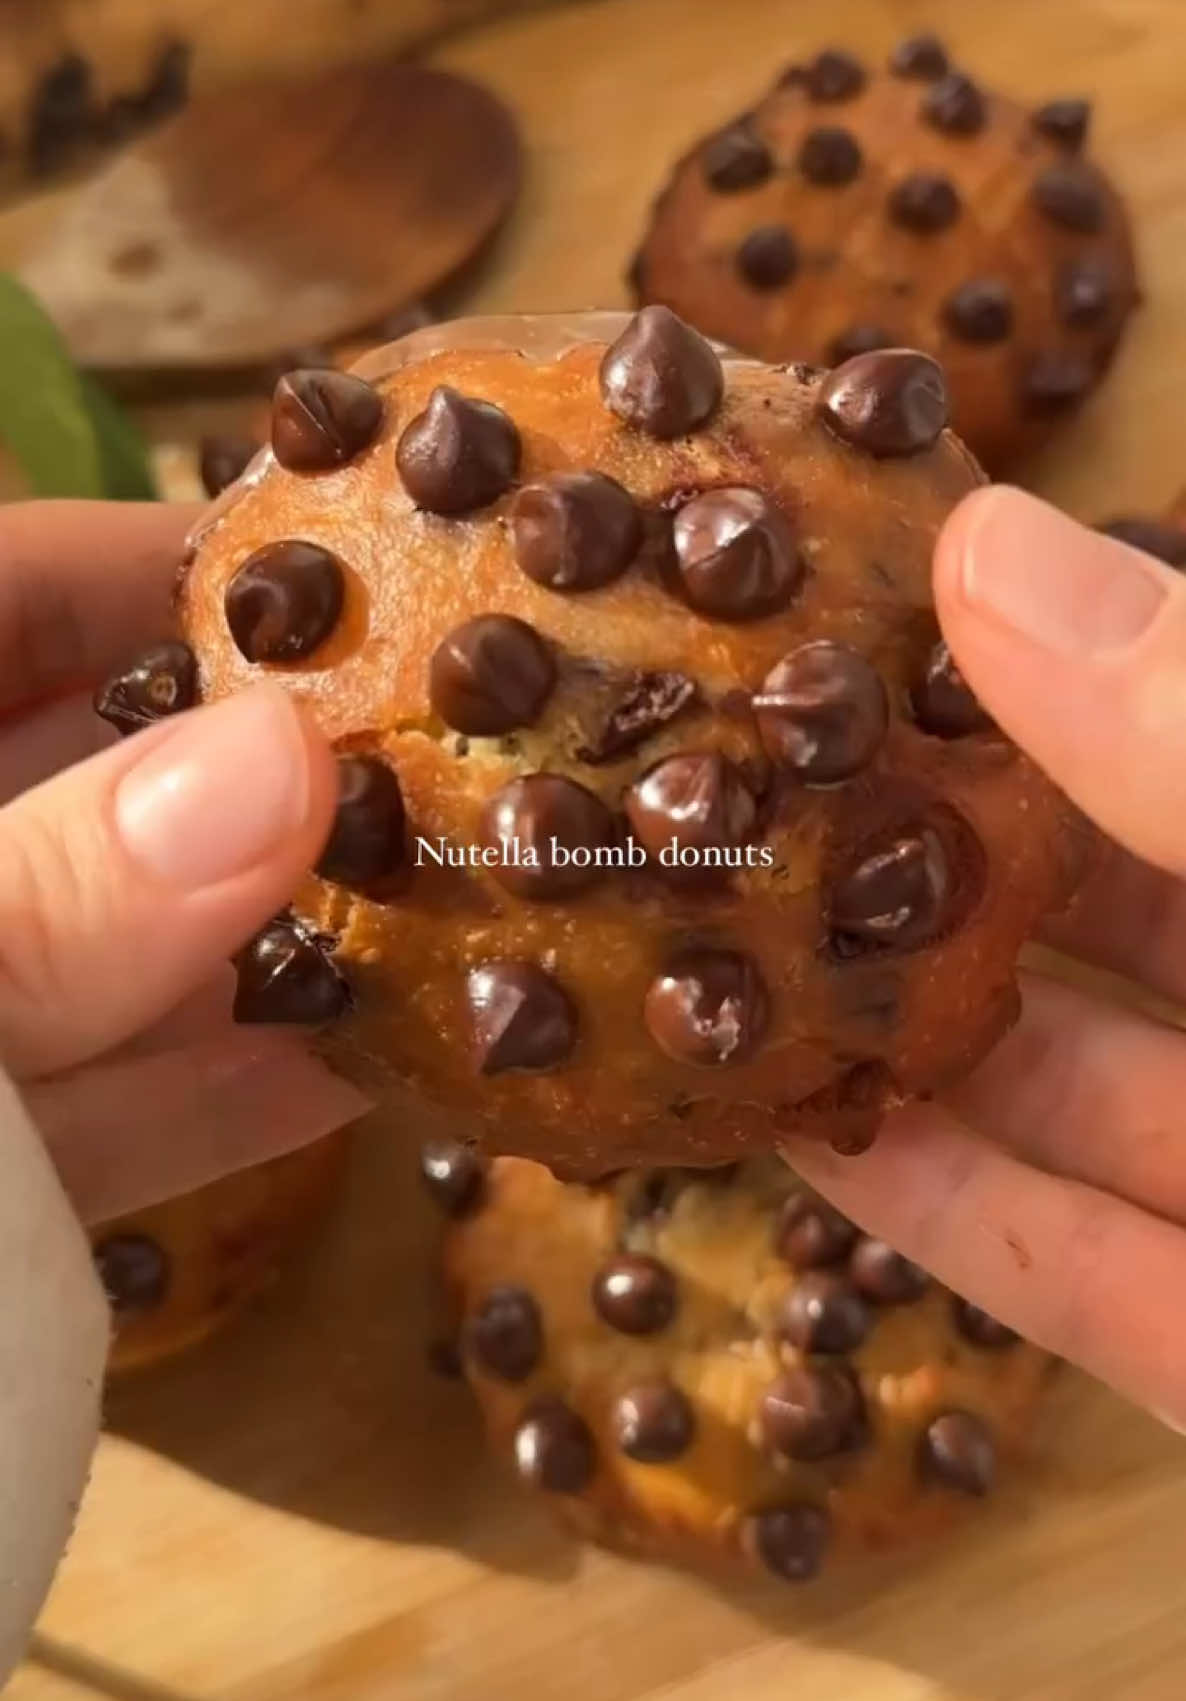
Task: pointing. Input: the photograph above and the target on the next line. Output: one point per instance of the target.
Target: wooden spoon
(259, 221)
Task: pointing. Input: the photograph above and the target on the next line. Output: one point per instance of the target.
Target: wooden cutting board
(300, 1510)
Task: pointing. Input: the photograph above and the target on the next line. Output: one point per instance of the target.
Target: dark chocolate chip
(957, 1451)
(661, 376)
(1069, 195)
(809, 1232)
(549, 831)
(978, 1327)
(284, 601)
(898, 896)
(708, 1007)
(979, 311)
(885, 1276)
(955, 105)
(1064, 121)
(653, 1423)
(791, 1540)
(829, 156)
(822, 712)
(924, 202)
(554, 1449)
(366, 842)
(221, 460)
(648, 702)
(735, 158)
(893, 402)
(834, 75)
(134, 1272)
(735, 555)
(490, 675)
(824, 1313)
(635, 1294)
(768, 257)
(506, 1334)
(460, 453)
(1055, 382)
(285, 975)
(322, 419)
(1084, 290)
(696, 802)
(454, 1174)
(858, 339)
(942, 700)
(61, 116)
(161, 681)
(522, 1017)
(574, 531)
(812, 1412)
(167, 88)
(921, 56)
(1165, 542)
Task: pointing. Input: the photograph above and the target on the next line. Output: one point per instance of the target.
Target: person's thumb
(1076, 645)
(124, 880)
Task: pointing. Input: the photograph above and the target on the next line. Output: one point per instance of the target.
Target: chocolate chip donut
(175, 1272)
(857, 207)
(717, 1368)
(666, 822)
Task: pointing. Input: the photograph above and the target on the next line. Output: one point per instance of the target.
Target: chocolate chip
(322, 419)
(924, 202)
(696, 802)
(635, 1294)
(1064, 121)
(735, 555)
(554, 1449)
(284, 601)
(1164, 542)
(285, 975)
(834, 75)
(768, 258)
(653, 1423)
(1069, 195)
(574, 531)
(648, 702)
(979, 311)
(61, 114)
(812, 1412)
(791, 1540)
(661, 376)
(890, 403)
(955, 105)
(506, 1334)
(490, 675)
(1084, 290)
(824, 1313)
(550, 831)
(707, 1007)
(942, 700)
(221, 460)
(134, 1272)
(858, 339)
(809, 1232)
(978, 1327)
(1055, 382)
(454, 1174)
(829, 156)
(957, 1451)
(735, 159)
(522, 1017)
(366, 842)
(883, 1275)
(896, 897)
(822, 712)
(167, 89)
(921, 56)
(460, 453)
(161, 681)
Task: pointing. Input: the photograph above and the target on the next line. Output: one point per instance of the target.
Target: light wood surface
(299, 1510)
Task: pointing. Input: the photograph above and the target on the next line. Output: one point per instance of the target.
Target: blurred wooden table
(300, 1510)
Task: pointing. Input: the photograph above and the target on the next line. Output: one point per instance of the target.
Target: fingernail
(219, 793)
(1052, 580)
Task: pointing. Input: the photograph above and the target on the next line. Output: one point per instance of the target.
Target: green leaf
(123, 456)
(44, 419)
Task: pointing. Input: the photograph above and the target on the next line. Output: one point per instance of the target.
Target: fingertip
(994, 517)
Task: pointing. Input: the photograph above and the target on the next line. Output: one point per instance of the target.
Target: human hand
(1050, 1187)
(130, 871)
